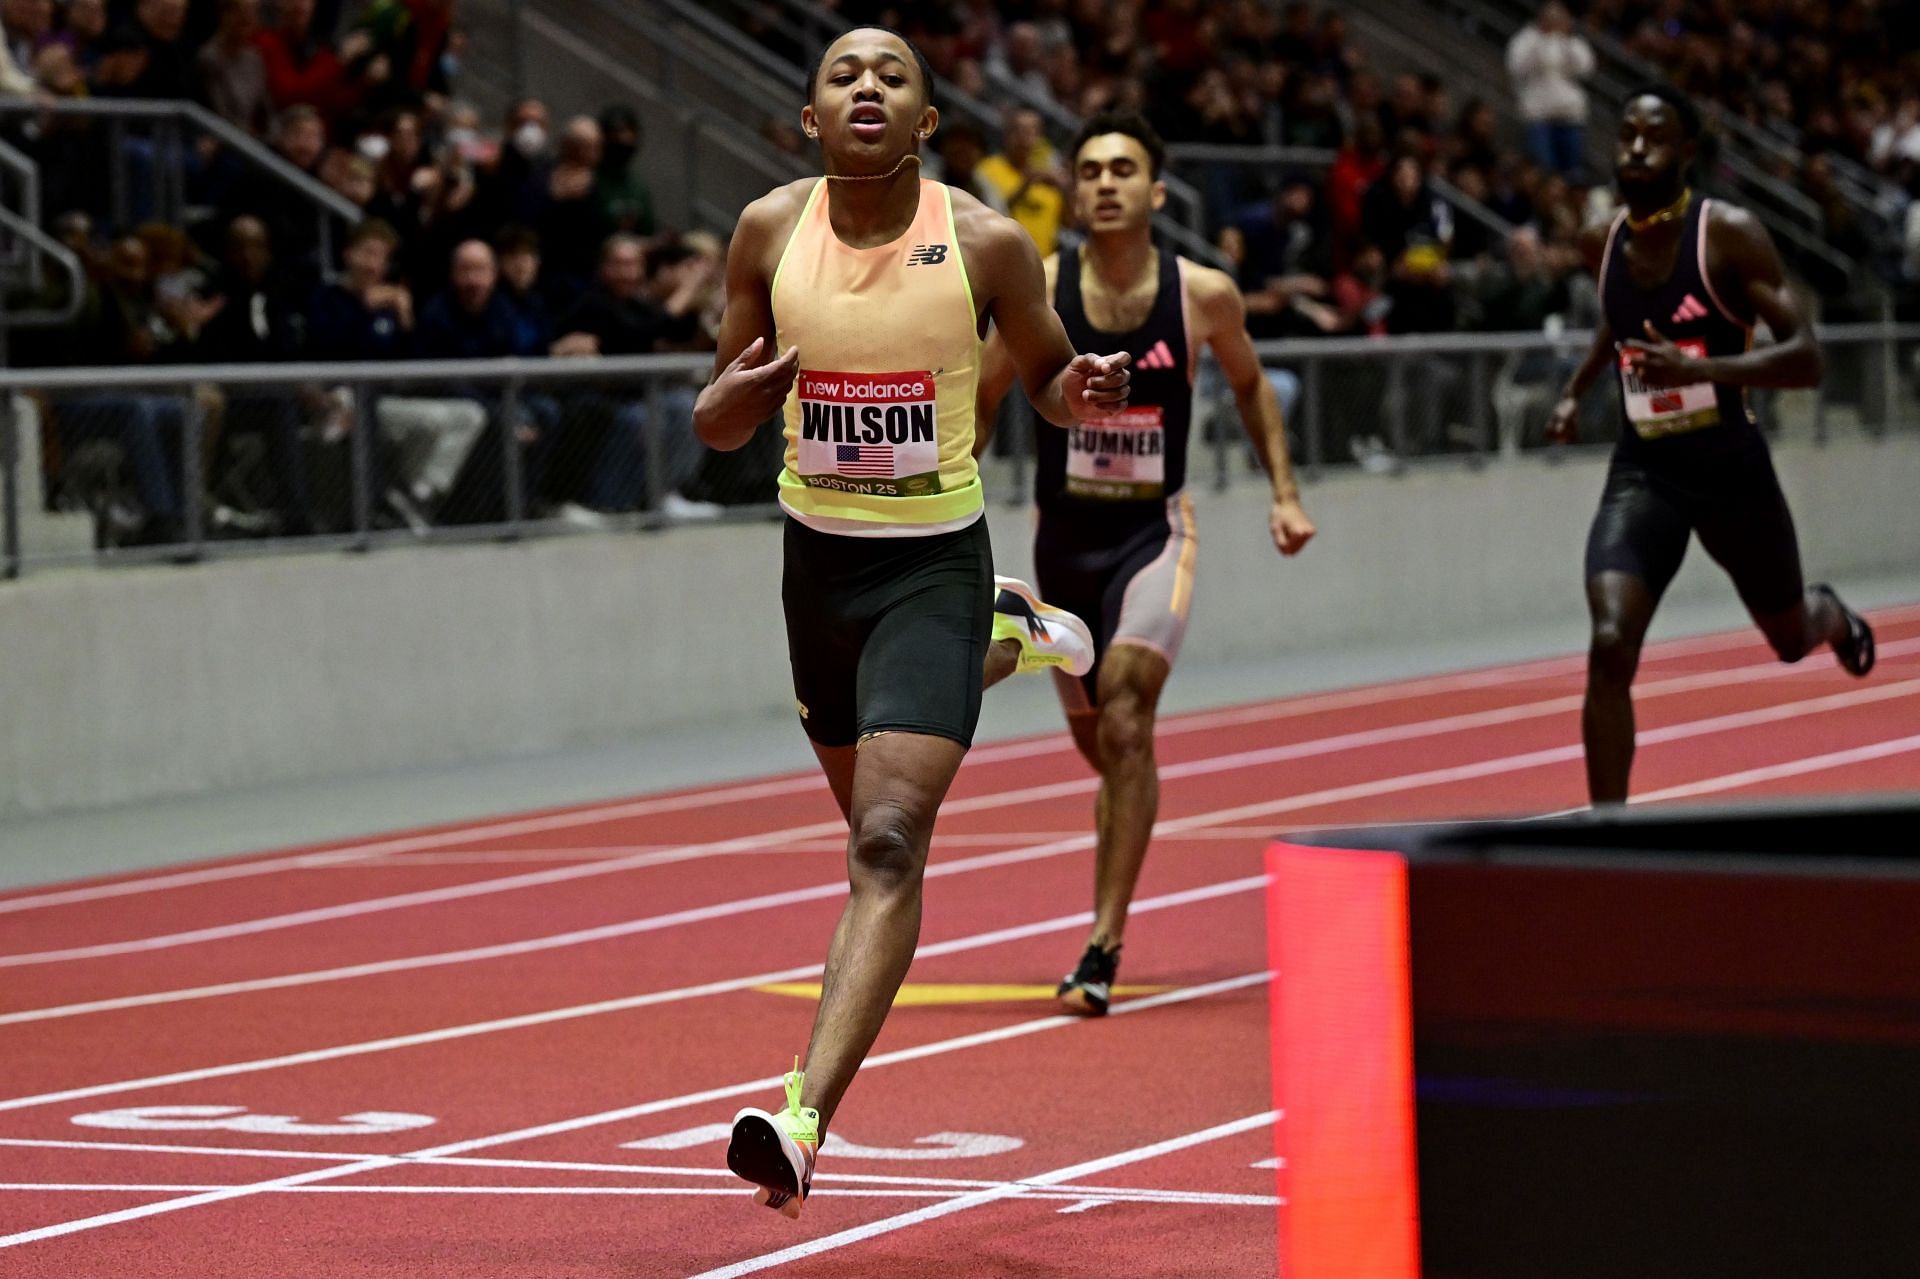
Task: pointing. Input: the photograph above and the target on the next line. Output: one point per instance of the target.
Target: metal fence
(131, 465)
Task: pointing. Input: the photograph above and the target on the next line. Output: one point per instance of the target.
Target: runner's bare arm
(748, 385)
(1223, 321)
(1753, 283)
(1004, 266)
(1563, 425)
(996, 377)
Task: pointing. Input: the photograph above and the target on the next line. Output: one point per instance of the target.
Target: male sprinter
(1116, 541)
(1683, 280)
(877, 285)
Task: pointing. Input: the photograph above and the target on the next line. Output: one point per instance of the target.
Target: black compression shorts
(1737, 509)
(1129, 584)
(888, 634)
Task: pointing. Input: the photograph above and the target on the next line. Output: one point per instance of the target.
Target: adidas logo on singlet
(927, 255)
(1690, 308)
(1160, 357)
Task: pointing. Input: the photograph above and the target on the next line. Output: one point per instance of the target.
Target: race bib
(1119, 459)
(1669, 410)
(872, 433)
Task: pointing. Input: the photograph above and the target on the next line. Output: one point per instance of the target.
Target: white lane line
(887, 1225)
(976, 803)
(1251, 883)
(1197, 1198)
(1174, 827)
(311, 1176)
(731, 793)
(530, 1165)
(1791, 768)
(484, 857)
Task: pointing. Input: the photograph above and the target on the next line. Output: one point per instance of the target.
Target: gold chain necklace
(1673, 212)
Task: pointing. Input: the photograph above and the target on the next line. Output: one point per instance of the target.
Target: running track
(504, 1048)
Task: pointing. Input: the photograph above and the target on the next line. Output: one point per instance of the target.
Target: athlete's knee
(1614, 652)
(1126, 731)
(885, 850)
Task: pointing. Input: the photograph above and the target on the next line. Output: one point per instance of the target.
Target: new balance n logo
(927, 255)
(1690, 308)
(1160, 357)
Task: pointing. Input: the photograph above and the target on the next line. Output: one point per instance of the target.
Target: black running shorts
(1736, 507)
(888, 634)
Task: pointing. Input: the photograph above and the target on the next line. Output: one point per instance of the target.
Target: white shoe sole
(761, 1152)
(1076, 653)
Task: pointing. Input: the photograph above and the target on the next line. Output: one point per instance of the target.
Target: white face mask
(373, 146)
(530, 140)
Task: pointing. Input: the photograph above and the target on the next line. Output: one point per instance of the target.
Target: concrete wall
(136, 683)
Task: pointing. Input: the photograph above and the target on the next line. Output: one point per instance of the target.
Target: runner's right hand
(1563, 426)
(747, 393)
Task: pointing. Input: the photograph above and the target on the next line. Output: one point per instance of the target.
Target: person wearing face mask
(623, 197)
(513, 188)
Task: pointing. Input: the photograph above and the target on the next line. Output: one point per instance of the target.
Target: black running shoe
(1089, 988)
(1855, 652)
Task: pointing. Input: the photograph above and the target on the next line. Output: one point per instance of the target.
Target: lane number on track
(240, 1119)
(939, 1145)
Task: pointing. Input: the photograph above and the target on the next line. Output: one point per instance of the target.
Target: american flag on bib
(864, 459)
(1114, 468)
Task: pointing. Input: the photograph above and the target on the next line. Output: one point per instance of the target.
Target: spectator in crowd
(1018, 64)
(1548, 60)
(121, 326)
(415, 37)
(363, 315)
(303, 70)
(960, 150)
(1356, 167)
(1027, 175)
(1288, 257)
(517, 249)
(300, 138)
(607, 432)
(616, 317)
(232, 70)
(470, 319)
(571, 223)
(255, 320)
(1520, 295)
(514, 190)
(620, 192)
(82, 25)
(1311, 115)
(1476, 138)
(57, 73)
(147, 56)
(455, 436)
(1413, 228)
(28, 26)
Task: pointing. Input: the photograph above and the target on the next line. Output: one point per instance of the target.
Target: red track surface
(443, 976)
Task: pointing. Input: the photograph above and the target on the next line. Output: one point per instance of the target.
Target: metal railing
(252, 458)
(172, 123)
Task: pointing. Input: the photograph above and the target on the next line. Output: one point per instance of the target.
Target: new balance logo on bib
(871, 433)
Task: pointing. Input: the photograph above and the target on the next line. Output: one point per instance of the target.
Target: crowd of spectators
(535, 236)
(538, 238)
(1834, 81)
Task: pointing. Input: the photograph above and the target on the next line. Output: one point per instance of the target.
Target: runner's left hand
(1661, 363)
(1096, 386)
(1291, 527)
